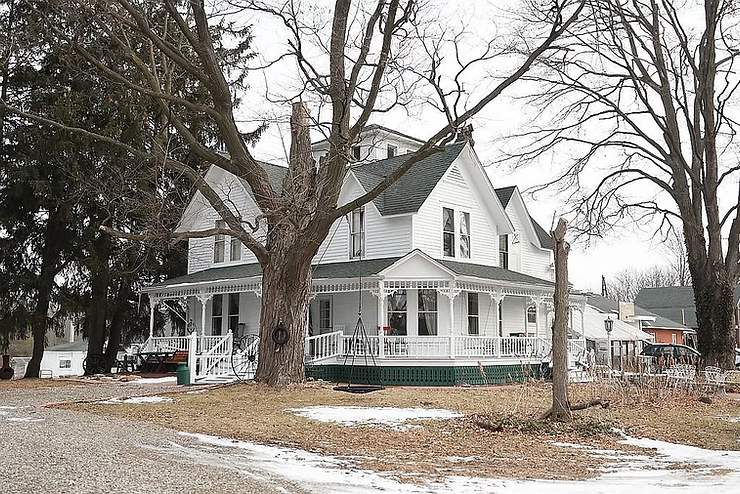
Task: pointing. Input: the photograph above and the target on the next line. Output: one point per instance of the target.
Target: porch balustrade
(330, 345)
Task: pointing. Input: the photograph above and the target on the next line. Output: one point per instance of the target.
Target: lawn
(524, 447)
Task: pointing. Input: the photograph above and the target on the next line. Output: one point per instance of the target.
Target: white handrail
(323, 346)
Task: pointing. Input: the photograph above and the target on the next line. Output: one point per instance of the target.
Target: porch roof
(367, 268)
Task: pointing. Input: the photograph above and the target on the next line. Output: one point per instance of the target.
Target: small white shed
(64, 360)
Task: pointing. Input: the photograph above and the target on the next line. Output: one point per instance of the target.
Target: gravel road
(47, 450)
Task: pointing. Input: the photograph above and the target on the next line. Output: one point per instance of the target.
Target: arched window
(532, 315)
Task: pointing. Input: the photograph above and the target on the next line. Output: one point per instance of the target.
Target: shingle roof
(75, 346)
(504, 196)
(673, 302)
(492, 273)
(349, 269)
(412, 189)
(608, 305)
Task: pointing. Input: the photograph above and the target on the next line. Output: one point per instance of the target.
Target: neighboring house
(454, 275)
(64, 360)
(675, 303)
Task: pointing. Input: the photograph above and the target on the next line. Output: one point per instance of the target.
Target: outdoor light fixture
(608, 326)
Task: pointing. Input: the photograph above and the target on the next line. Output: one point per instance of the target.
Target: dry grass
(523, 449)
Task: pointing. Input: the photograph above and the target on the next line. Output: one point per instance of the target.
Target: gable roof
(412, 189)
(504, 195)
(604, 304)
(275, 175)
(673, 302)
(375, 127)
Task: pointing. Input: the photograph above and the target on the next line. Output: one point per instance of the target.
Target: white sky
(625, 249)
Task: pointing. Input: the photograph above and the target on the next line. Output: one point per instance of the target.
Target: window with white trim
(427, 312)
(473, 314)
(531, 315)
(357, 234)
(448, 232)
(503, 251)
(65, 363)
(233, 312)
(235, 249)
(219, 243)
(325, 319)
(464, 235)
(392, 150)
(356, 152)
(397, 312)
(217, 312)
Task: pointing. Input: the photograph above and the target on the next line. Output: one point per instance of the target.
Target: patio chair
(680, 375)
(714, 379)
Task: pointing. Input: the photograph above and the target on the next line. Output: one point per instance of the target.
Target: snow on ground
(136, 400)
(154, 380)
(674, 469)
(376, 416)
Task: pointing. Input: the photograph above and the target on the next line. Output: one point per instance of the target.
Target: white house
(64, 360)
(454, 274)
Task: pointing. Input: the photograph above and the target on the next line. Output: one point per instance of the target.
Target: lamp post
(608, 326)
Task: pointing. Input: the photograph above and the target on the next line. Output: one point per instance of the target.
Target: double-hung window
(219, 243)
(473, 314)
(217, 314)
(357, 234)
(531, 315)
(233, 312)
(452, 237)
(503, 251)
(427, 312)
(397, 311)
(235, 249)
(448, 232)
(465, 235)
(392, 150)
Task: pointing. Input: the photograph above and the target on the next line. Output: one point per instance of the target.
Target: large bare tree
(645, 108)
(352, 66)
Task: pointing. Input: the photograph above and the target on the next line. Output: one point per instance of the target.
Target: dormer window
(392, 150)
(357, 234)
(219, 243)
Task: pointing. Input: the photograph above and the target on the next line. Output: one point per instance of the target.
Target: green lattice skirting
(429, 376)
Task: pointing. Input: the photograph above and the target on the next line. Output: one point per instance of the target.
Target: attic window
(465, 235)
(356, 152)
(392, 150)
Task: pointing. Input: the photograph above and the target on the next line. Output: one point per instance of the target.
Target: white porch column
(451, 293)
(497, 298)
(192, 349)
(381, 319)
(152, 306)
(203, 298)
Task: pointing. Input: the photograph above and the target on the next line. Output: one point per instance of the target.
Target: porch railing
(165, 344)
(215, 359)
(336, 344)
(323, 346)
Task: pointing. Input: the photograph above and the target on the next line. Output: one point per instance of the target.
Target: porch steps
(217, 379)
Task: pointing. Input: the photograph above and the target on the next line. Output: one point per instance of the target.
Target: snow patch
(23, 419)
(154, 380)
(373, 416)
(136, 400)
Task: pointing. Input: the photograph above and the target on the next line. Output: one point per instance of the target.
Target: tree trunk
(97, 311)
(44, 286)
(714, 300)
(116, 324)
(560, 400)
(286, 289)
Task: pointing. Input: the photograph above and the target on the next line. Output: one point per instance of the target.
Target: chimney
(465, 133)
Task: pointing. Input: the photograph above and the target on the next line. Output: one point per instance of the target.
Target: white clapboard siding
(526, 256)
(384, 237)
(201, 216)
(453, 192)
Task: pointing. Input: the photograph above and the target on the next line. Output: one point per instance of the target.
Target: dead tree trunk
(560, 401)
